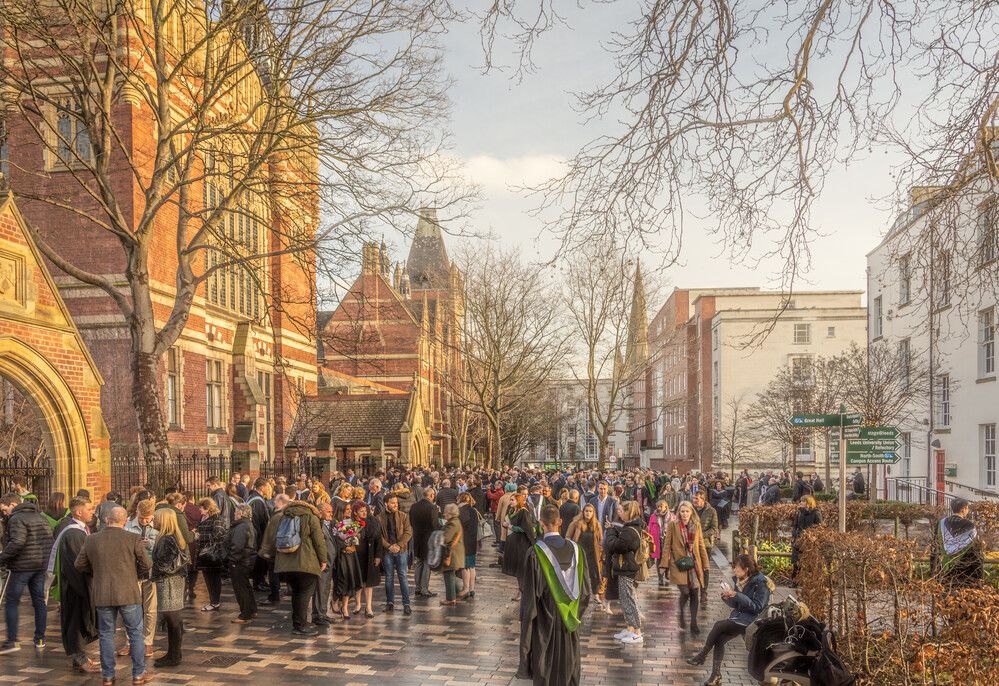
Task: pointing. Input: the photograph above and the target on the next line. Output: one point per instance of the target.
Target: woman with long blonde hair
(586, 531)
(170, 561)
(685, 557)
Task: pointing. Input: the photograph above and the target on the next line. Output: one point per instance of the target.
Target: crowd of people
(564, 536)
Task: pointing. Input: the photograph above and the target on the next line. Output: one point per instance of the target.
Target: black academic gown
(549, 653)
(78, 620)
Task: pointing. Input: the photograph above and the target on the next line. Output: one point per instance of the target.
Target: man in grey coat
(114, 559)
(324, 586)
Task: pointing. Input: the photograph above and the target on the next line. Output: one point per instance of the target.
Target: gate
(37, 471)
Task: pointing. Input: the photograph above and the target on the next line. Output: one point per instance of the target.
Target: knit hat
(510, 488)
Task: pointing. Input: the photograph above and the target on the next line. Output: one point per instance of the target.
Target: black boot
(715, 678)
(698, 659)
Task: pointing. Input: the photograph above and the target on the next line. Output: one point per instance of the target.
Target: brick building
(399, 326)
(247, 351)
(44, 360)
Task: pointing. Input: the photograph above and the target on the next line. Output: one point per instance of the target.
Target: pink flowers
(349, 531)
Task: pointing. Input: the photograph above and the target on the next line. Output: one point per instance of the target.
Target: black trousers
(239, 575)
(192, 580)
(175, 634)
(689, 598)
(303, 585)
(704, 588)
(74, 609)
(259, 571)
(275, 583)
(213, 580)
(721, 633)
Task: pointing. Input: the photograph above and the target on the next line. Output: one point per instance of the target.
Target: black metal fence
(191, 471)
(35, 469)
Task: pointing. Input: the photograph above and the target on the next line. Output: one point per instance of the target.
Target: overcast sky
(511, 133)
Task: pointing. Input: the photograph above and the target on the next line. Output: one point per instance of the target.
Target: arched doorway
(55, 452)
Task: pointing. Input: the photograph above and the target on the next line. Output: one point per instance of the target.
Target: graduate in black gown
(556, 592)
(78, 619)
(523, 527)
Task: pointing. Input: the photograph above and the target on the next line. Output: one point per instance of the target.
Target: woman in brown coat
(683, 546)
(455, 558)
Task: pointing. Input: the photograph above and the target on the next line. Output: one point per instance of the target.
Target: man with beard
(77, 619)
(555, 594)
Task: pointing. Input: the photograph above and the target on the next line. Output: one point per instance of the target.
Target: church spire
(637, 349)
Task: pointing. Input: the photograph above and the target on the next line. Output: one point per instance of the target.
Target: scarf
(957, 533)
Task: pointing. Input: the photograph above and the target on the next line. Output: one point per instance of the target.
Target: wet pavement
(474, 643)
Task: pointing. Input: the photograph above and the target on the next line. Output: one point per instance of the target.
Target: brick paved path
(473, 643)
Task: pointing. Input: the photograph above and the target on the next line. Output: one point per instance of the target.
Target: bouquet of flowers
(349, 531)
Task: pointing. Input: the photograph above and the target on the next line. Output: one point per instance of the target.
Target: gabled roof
(68, 324)
(351, 420)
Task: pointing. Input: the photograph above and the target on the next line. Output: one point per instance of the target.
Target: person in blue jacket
(747, 599)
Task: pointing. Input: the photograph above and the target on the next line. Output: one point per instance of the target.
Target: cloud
(494, 173)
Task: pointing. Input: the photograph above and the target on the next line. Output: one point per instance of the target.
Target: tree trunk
(604, 446)
(145, 375)
(149, 414)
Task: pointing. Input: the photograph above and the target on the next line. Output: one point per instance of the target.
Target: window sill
(877, 338)
(216, 430)
(944, 430)
(986, 379)
(904, 304)
(175, 427)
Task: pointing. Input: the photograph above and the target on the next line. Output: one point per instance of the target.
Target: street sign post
(841, 420)
(867, 445)
(807, 421)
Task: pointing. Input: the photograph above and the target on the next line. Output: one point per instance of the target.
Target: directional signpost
(868, 445)
(843, 420)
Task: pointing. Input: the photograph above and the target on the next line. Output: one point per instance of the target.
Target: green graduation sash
(567, 608)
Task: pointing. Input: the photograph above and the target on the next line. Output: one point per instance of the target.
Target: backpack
(289, 534)
(643, 555)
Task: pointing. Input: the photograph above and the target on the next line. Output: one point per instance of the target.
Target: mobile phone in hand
(725, 586)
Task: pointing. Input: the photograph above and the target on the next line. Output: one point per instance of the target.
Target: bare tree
(597, 295)
(883, 383)
(512, 338)
(807, 386)
(734, 442)
(262, 113)
(753, 106)
(22, 428)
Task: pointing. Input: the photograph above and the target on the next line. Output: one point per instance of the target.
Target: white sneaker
(633, 638)
(621, 634)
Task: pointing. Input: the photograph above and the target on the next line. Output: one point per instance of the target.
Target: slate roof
(323, 318)
(428, 265)
(351, 420)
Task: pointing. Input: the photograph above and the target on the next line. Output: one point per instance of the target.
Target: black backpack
(828, 669)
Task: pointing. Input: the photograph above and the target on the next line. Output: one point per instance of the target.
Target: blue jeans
(396, 564)
(131, 616)
(35, 581)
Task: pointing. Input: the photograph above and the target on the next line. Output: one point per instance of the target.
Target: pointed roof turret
(428, 264)
(637, 349)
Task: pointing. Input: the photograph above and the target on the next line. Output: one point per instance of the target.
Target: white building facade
(572, 439)
(939, 304)
(743, 363)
